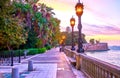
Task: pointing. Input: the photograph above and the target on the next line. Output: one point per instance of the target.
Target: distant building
(95, 47)
(68, 29)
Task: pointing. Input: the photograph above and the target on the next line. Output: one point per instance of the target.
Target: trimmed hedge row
(31, 51)
(34, 51)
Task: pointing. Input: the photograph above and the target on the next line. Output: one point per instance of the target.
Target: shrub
(41, 50)
(32, 51)
(16, 52)
(48, 47)
(5, 53)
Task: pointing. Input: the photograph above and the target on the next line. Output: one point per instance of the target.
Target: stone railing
(93, 67)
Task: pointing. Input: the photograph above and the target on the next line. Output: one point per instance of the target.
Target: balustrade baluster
(103, 73)
(96, 68)
(111, 75)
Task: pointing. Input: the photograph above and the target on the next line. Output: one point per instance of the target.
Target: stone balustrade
(92, 67)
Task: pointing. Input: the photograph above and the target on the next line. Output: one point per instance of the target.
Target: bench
(72, 61)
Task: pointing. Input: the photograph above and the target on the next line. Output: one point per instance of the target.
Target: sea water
(111, 56)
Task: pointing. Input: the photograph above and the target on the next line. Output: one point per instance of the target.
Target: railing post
(94, 68)
(78, 61)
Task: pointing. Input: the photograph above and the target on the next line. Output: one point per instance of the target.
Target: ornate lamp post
(72, 23)
(63, 42)
(79, 11)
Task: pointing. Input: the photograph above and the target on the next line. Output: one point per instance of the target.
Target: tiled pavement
(52, 64)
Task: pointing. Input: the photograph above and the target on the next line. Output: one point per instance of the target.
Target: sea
(111, 56)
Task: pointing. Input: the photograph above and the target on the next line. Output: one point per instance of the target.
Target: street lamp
(79, 11)
(72, 23)
(62, 42)
(63, 37)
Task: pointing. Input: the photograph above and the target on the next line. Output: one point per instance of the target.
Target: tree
(55, 31)
(69, 37)
(42, 27)
(92, 41)
(12, 35)
(31, 40)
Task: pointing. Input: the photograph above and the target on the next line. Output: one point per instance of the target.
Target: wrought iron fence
(9, 58)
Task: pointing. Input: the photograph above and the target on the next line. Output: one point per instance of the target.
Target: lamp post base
(72, 48)
(80, 50)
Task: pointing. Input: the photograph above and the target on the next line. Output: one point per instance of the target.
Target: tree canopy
(11, 33)
(27, 24)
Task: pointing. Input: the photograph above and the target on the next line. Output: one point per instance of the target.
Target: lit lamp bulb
(72, 22)
(79, 9)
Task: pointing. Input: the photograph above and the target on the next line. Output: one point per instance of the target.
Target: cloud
(90, 29)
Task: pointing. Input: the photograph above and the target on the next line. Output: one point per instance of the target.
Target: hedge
(31, 51)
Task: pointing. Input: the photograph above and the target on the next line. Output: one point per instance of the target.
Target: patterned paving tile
(41, 70)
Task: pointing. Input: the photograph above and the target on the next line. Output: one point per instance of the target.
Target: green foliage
(31, 40)
(41, 50)
(38, 16)
(40, 20)
(3, 3)
(34, 51)
(68, 40)
(31, 51)
(23, 7)
(16, 52)
(39, 43)
(55, 32)
(48, 47)
(5, 53)
(33, 29)
(11, 33)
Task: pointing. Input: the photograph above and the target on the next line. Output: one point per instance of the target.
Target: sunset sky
(100, 20)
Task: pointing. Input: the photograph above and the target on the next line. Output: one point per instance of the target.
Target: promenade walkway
(52, 64)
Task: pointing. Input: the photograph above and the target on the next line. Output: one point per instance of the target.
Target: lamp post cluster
(79, 11)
